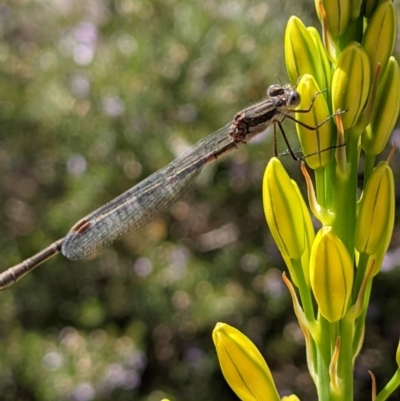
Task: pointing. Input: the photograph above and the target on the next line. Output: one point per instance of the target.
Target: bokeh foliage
(96, 95)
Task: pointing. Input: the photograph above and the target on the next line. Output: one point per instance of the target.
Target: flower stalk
(349, 68)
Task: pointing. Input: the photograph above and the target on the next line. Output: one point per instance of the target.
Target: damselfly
(141, 203)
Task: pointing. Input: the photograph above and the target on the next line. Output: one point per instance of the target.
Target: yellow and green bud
(338, 13)
(288, 218)
(243, 366)
(331, 275)
(283, 210)
(315, 144)
(326, 68)
(398, 355)
(385, 112)
(302, 54)
(376, 212)
(380, 36)
(351, 83)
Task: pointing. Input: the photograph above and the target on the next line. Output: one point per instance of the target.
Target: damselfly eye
(293, 98)
(275, 90)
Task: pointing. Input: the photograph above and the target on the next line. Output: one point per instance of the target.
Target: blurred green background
(96, 95)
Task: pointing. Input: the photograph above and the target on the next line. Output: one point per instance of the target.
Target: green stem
(393, 384)
(320, 186)
(330, 179)
(360, 322)
(369, 167)
(345, 368)
(305, 293)
(324, 359)
(345, 201)
(360, 275)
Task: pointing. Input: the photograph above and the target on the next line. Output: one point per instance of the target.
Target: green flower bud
(301, 53)
(318, 142)
(398, 355)
(338, 14)
(376, 212)
(243, 366)
(385, 112)
(283, 210)
(380, 36)
(351, 83)
(331, 274)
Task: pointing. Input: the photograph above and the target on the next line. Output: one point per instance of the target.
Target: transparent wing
(144, 201)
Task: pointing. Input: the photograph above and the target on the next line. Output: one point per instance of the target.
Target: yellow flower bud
(302, 54)
(331, 274)
(385, 113)
(351, 83)
(283, 210)
(243, 366)
(288, 219)
(398, 355)
(376, 212)
(338, 14)
(380, 36)
(318, 142)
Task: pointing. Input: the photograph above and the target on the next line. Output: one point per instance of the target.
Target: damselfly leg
(309, 127)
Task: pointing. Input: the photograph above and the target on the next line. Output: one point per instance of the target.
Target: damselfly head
(287, 93)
